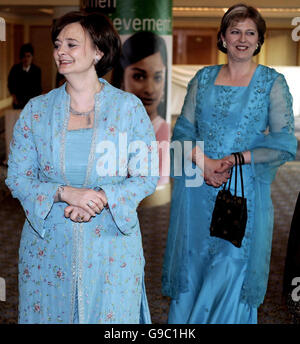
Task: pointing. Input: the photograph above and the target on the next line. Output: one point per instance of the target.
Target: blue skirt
(214, 294)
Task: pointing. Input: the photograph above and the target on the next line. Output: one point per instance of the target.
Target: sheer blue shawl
(272, 149)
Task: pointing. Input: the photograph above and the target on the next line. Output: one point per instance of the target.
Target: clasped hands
(217, 171)
(83, 203)
(86, 203)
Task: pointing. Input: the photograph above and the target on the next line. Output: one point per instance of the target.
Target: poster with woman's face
(144, 71)
(146, 78)
(145, 65)
(144, 68)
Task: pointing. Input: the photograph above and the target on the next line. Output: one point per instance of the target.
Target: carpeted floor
(285, 191)
(154, 224)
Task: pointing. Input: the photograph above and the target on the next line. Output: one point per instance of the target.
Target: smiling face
(74, 51)
(146, 79)
(241, 39)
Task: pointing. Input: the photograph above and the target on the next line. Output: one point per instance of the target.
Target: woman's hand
(231, 159)
(89, 200)
(77, 214)
(216, 171)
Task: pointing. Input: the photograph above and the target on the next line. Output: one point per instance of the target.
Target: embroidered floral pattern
(98, 264)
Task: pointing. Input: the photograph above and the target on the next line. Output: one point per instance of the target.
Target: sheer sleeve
(269, 152)
(279, 144)
(175, 266)
(185, 124)
(189, 106)
(184, 139)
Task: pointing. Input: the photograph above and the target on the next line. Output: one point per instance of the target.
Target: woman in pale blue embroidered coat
(81, 258)
(209, 279)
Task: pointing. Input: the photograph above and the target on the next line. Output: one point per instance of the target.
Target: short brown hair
(102, 33)
(241, 12)
(26, 48)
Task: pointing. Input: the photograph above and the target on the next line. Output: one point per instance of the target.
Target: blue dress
(209, 279)
(75, 172)
(89, 272)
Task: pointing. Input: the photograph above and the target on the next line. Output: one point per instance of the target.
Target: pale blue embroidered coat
(94, 269)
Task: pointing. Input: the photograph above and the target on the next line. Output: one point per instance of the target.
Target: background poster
(132, 16)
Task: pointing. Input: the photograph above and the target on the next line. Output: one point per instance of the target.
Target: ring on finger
(91, 204)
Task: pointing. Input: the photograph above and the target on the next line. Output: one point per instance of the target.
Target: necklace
(83, 114)
(86, 114)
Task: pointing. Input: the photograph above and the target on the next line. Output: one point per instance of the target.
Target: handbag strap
(241, 162)
(235, 181)
(229, 180)
(237, 156)
(240, 157)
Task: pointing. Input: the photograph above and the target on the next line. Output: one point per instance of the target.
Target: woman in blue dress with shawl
(237, 107)
(80, 163)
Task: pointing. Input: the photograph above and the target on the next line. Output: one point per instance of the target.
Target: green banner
(139, 15)
(129, 16)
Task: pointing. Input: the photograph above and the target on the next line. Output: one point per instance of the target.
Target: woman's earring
(224, 45)
(96, 60)
(257, 46)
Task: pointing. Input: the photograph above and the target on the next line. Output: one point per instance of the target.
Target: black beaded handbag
(229, 217)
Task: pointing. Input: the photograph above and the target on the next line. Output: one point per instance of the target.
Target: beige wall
(6, 61)
(39, 37)
(280, 48)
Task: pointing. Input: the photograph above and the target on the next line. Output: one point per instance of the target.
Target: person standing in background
(24, 83)
(24, 79)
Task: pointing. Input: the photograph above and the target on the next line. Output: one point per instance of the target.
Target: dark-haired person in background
(24, 79)
(81, 257)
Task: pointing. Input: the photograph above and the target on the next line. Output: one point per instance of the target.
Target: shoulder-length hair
(137, 47)
(102, 33)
